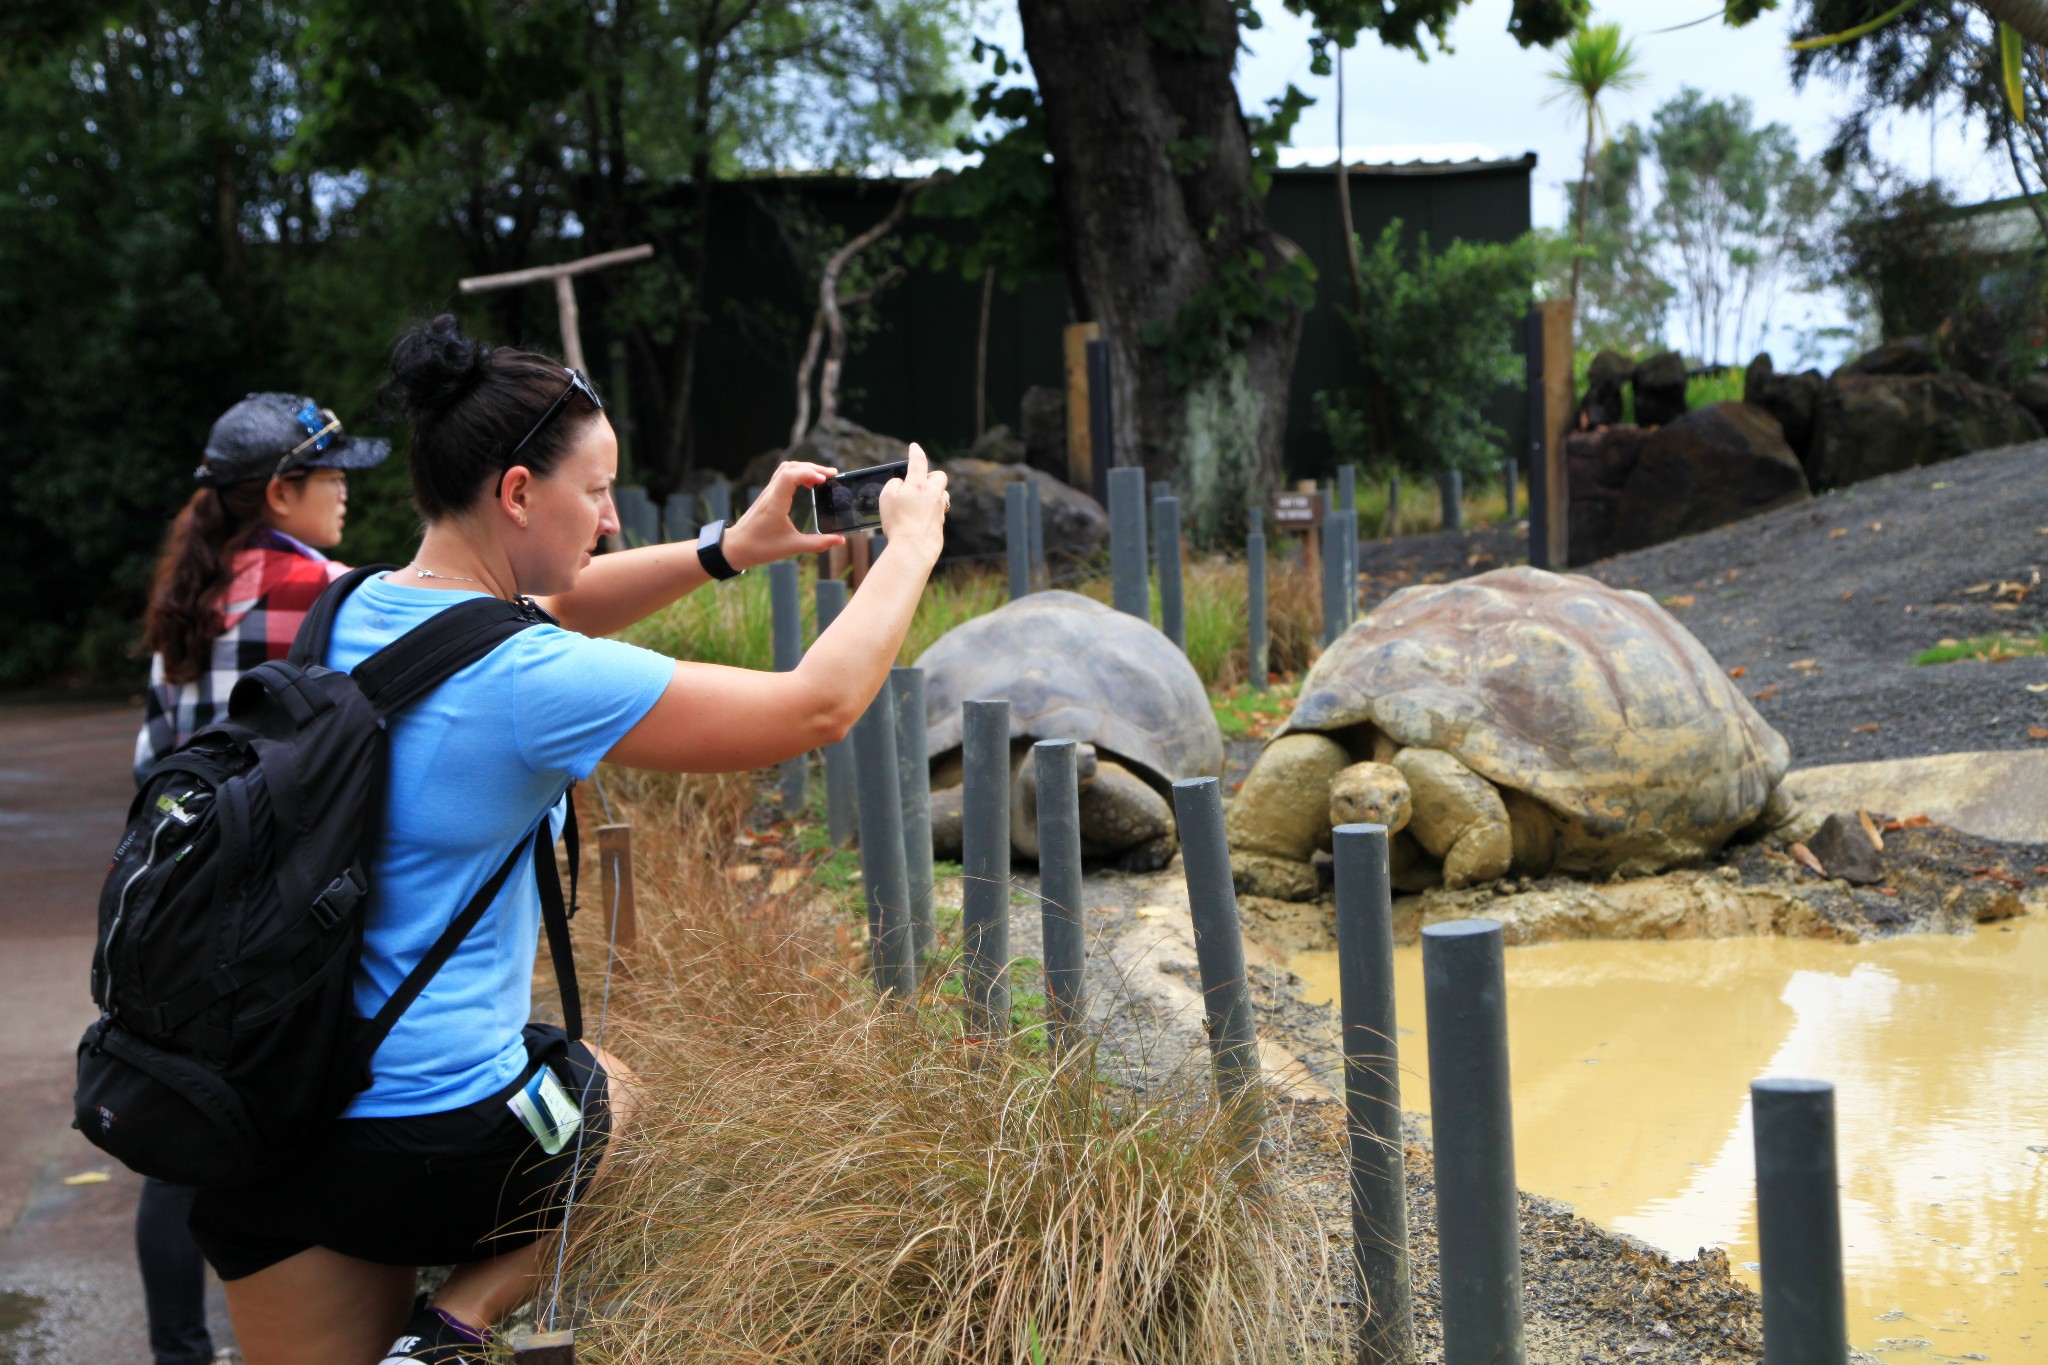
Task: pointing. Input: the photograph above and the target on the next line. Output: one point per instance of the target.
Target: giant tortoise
(1072, 668)
(1516, 721)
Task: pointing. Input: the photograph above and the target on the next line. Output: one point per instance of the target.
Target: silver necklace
(445, 577)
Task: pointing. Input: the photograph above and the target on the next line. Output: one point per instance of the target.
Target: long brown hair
(194, 570)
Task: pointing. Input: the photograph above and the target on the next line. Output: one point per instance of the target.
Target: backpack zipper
(174, 812)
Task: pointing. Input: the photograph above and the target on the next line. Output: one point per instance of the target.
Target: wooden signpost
(564, 276)
(1301, 513)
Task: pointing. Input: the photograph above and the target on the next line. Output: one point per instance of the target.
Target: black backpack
(232, 917)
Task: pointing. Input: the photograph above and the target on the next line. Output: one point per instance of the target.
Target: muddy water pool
(1631, 1064)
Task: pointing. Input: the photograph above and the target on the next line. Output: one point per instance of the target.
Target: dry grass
(816, 1178)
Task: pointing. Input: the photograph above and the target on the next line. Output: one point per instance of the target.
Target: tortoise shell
(1593, 700)
(1072, 668)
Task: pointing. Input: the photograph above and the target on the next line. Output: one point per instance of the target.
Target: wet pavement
(69, 1290)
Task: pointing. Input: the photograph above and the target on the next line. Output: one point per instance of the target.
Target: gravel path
(1824, 604)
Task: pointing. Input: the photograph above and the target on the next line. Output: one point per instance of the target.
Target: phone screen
(853, 501)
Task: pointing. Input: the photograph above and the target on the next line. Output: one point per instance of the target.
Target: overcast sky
(1486, 98)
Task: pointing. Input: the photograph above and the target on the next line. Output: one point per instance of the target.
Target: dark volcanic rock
(1075, 523)
(1879, 424)
(1846, 851)
(2031, 393)
(1605, 380)
(1720, 464)
(998, 445)
(1791, 398)
(1042, 420)
(1660, 389)
(1907, 355)
(1598, 465)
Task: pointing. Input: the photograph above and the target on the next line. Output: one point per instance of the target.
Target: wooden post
(1557, 412)
(1312, 542)
(615, 854)
(563, 276)
(544, 1348)
(1080, 459)
(859, 555)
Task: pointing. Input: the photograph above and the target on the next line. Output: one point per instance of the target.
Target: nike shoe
(432, 1337)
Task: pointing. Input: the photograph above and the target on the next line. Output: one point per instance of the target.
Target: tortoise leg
(1459, 817)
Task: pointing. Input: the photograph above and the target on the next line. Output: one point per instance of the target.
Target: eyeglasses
(577, 384)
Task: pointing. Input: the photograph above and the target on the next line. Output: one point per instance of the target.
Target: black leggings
(173, 1275)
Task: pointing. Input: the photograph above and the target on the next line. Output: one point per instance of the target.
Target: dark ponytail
(194, 570)
(467, 405)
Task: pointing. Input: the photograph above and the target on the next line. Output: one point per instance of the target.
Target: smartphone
(853, 501)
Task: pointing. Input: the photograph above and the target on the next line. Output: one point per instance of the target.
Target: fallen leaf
(1841, 531)
(1940, 484)
(1992, 874)
(786, 879)
(1803, 855)
(2005, 606)
(1682, 600)
(1764, 694)
(1870, 828)
(1869, 729)
(1877, 526)
(1731, 575)
(1803, 665)
(1847, 594)
(1910, 822)
(1154, 911)
(1887, 891)
(742, 872)
(1976, 588)
(1739, 671)
(2037, 687)
(1947, 642)
(2041, 870)
(88, 1178)
(2037, 732)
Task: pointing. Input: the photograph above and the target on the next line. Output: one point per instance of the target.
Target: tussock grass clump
(814, 1177)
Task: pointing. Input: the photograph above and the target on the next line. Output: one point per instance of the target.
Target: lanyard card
(547, 1111)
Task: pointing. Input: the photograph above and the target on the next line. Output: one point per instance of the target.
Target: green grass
(1718, 386)
(1988, 648)
(1245, 714)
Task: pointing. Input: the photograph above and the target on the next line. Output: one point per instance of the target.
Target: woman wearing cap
(240, 567)
(437, 1162)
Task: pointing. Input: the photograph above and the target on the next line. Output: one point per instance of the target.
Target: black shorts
(433, 1189)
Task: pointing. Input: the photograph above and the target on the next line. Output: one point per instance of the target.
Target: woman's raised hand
(765, 532)
(914, 506)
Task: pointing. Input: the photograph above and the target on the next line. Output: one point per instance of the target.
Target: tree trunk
(1585, 193)
(2030, 17)
(1153, 168)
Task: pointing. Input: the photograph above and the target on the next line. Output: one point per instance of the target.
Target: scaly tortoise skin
(1594, 701)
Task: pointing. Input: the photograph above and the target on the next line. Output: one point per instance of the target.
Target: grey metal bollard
(1347, 502)
(1372, 1093)
(1039, 577)
(1464, 984)
(1017, 538)
(1334, 555)
(1219, 949)
(679, 517)
(985, 864)
(1799, 1222)
(1059, 886)
(1451, 489)
(1258, 640)
(1347, 488)
(1510, 474)
(718, 503)
(914, 781)
(1173, 621)
(882, 871)
(785, 604)
(842, 807)
(1128, 589)
(1394, 502)
(1154, 491)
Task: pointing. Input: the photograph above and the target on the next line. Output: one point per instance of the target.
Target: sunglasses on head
(324, 425)
(577, 384)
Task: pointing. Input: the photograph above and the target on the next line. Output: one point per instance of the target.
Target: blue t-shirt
(474, 769)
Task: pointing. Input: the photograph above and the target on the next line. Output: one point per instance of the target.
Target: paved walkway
(69, 1290)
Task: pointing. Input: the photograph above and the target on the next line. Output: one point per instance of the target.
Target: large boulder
(2031, 393)
(1875, 424)
(1075, 523)
(1605, 381)
(1042, 421)
(1791, 398)
(838, 443)
(1907, 355)
(1659, 384)
(1715, 465)
(1597, 468)
(998, 445)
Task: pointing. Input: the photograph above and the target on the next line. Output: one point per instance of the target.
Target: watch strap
(711, 552)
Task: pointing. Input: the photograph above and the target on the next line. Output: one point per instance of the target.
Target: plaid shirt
(276, 582)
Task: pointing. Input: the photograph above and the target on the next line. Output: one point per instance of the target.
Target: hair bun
(434, 366)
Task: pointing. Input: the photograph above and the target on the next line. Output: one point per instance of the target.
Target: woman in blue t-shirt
(512, 465)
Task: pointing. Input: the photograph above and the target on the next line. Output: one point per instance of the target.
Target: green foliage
(1246, 714)
(1435, 337)
(1405, 23)
(1219, 320)
(1985, 648)
(1714, 386)
(1623, 293)
(1007, 192)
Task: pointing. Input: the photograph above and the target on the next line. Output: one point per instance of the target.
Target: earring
(522, 518)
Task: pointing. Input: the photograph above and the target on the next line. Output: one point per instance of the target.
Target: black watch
(711, 552)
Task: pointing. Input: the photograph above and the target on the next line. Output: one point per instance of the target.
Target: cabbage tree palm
(1596, 61)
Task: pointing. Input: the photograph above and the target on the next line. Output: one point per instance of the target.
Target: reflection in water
(1632, 1064)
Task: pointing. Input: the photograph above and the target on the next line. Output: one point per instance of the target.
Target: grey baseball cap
(268, 434)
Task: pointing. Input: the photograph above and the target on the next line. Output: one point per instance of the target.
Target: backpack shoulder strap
(309, 646)
(430, 653)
